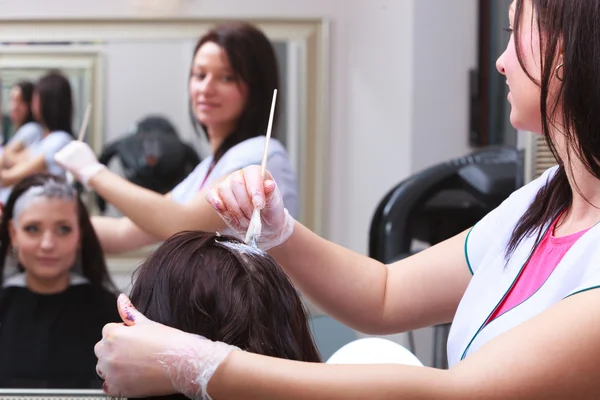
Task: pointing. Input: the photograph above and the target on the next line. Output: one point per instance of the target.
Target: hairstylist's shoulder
(50, 145)
(519, 201)
(498, 224)
(590, 260)
(189, 187)
(532, 188)
(246, 153)
(278, 161)
(280, 167)
(55, 141)
(28, 134)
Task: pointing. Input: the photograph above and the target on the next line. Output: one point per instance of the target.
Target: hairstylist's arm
(13, 152)
(16, 173)
(537, 360)
(157, 214)
(120, 235)
(552, 356)
(365, 294)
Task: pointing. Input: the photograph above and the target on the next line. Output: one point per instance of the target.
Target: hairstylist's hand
(143, 358)
(78, 158)
(234, 200)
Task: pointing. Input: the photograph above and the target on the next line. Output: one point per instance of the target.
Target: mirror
(131, 69)
(134, 68)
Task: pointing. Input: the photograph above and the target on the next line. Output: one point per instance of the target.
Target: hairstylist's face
(35, 106)
(218, 97)
(46, 237)
(16, 107)
(524, 94)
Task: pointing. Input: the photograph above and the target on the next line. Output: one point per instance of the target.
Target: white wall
(445, 48)
(159, 72)
(398, 88)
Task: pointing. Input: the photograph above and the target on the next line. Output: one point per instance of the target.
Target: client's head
(220, 288)
(48, 229)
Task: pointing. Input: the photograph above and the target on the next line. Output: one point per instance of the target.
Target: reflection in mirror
(133, 81)
(30, 62)
(142, 70)
(136, 79)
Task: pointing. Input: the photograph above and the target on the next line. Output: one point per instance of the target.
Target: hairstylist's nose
(207, 85)
(500, 64)
(47, 241)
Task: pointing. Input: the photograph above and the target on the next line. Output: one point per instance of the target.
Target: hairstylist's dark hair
(570, 25)
(253, 61)
(56, 102)
(196, 283)
(26, 90)
(93, 265)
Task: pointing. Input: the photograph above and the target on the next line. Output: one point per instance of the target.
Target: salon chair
(438, 203)
(153, 156)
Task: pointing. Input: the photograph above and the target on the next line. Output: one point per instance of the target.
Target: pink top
(542, 263)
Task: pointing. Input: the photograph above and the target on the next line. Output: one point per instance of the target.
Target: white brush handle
(80, 137)
(255, 225)
(84, 122)
(263, 165)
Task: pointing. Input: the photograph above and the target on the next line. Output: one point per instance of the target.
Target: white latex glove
(79, 159)
(234, 200)
(143, 358)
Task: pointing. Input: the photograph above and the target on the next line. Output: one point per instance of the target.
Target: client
(218, 287)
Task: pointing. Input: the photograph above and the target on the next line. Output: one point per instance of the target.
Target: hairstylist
(520, 287)
(232, 78)
(27, 131)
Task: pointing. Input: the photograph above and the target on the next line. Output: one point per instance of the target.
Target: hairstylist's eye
(65, 230)
(509, 30)
(31, 228)
(228, 78)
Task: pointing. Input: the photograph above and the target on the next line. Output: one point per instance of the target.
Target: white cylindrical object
(374, 351)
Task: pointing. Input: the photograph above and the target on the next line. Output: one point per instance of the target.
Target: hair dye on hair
(220, 288)
(242, 248)
(51, 189)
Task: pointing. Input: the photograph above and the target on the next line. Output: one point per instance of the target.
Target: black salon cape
(47, 341)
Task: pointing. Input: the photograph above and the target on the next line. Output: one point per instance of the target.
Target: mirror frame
(311, 35)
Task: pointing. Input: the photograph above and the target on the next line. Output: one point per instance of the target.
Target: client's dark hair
(207, 284)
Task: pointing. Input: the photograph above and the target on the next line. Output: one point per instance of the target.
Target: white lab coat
(493, 275)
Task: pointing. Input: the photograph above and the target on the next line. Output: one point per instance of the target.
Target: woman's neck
(47, 286)
(217, 135)
(584, 210)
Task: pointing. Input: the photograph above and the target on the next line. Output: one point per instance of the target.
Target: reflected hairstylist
(232, 78)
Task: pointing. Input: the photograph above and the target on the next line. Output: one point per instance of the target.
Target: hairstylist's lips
(48, 260)
(207, 105)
